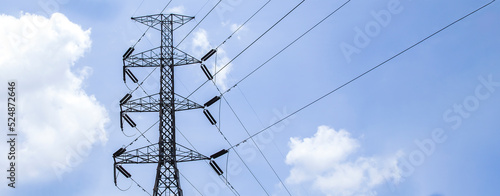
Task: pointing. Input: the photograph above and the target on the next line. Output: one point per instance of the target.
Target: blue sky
(425, 123)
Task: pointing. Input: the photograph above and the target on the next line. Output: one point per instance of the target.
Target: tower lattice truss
(166, 153)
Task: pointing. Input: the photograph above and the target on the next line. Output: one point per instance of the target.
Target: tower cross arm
(151, 103)
(155, 20)
(150, 154)
(182, 103)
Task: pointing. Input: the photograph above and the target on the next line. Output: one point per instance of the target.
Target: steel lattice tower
(166, 153)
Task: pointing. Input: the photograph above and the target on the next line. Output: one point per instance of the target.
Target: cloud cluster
(176, 10)
(201, 46)
(58, 122)
(326, 160)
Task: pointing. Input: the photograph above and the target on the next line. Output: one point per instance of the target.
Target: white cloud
(58, 122)
(235, 27)
(326, 160)
(176, 10)
(201, 46)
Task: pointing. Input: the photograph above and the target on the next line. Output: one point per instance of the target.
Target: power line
(262, 124)
(137, 26)
(190, 183)
(140, 84)
(289, 12)
(227, 162)
(224, 179)
(167, 175)
(258, 118)
(255, 143)
(251, 172)
(364, 73)
(248, 168)
(241, 26)
(191, 144)
(151, 43)
(238, 154)
(150, 26)
(142, 134)
(233, 31)
(258, 38)
(227, 157)
(140, 186)
(201, 8)
(138, 7)
(198, 23)
(246, 130)
(231, 188)
(286, 47)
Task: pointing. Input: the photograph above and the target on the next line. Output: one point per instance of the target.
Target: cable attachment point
(128, 53)
(212, 101)
(129, 120)
(209, 117)
(207, 72)
(125, 98)
(218, 154)
(216, 168)
(123, 171)
(131, 76)
(119, 152)
(208, 55)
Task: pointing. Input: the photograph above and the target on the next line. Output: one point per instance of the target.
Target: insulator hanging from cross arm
(119, 152)
(207, 72)
(209, 117)
(125, 98)
(208, 55)
(212, 101)
(216, 167)
(131, 75)
(121, 120)
(128, 53)
(123, 171)
(123, 73)
(129, 120)
(218, 154)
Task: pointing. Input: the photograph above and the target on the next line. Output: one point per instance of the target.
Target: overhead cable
(363, 74)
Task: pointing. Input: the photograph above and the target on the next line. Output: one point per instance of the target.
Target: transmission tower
(166, 153)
